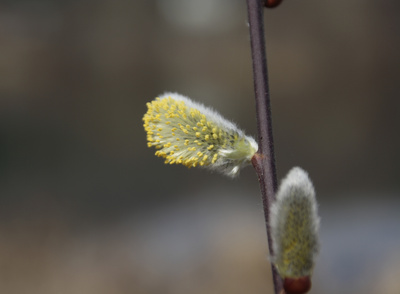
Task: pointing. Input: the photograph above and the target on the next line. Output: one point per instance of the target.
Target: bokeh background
(86, 207)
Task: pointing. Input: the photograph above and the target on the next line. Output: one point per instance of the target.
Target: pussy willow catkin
(294, 225)
(188, 133)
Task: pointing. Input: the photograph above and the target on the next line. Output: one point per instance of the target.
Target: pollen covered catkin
(294, 226)
(188, 133)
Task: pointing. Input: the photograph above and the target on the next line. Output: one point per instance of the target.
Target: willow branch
(264, 159)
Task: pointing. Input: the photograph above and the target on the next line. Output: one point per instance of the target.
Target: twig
(263, 160)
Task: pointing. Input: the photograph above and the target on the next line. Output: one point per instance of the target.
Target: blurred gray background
(86, 207)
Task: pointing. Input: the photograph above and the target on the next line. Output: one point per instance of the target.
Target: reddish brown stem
(264, 159)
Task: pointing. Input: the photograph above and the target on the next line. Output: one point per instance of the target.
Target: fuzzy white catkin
(294, 225)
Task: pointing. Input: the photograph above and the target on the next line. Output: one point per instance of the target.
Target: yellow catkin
(192, 135)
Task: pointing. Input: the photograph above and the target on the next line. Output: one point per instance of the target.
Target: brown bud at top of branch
(272, 3)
